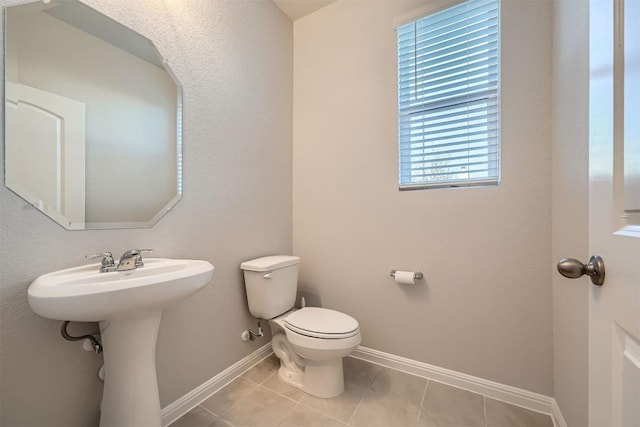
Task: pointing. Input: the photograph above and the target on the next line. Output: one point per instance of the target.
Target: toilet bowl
(313, 341)
(310, 342)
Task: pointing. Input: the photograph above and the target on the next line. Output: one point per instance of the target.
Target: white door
(45, 152)
(614, 212)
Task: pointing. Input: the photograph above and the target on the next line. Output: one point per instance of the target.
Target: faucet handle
(139, 262)
(108, 263)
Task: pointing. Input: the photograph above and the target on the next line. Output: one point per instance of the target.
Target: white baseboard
(515, 396)
(175, 410)
(556, 415)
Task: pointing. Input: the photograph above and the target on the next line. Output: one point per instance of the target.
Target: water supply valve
(249, 335)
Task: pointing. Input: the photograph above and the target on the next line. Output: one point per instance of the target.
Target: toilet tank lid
(269, 263)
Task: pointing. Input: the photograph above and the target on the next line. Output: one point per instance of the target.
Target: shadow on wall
(313, 298)
(310, 293)
(417, 291)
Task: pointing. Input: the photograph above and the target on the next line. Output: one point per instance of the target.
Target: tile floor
(373, 396)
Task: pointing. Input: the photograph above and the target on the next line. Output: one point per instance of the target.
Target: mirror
(92, 118)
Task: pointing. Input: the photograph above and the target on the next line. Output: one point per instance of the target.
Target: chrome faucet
(131, 259)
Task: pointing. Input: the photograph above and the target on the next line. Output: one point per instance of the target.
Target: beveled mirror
(93, 135)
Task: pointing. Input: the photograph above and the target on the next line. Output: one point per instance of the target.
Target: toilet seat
(321, 323)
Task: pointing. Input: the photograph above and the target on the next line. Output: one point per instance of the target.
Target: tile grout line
(368, 389)
(205, 409)
(298, 403)
(424, 396)
(275, 370)
(373, 380)
(357, 407)
(329, 415)
(484, 409)
(237, 401)
(287, 414)
(279, 394)
(324, 414)
(301, 403)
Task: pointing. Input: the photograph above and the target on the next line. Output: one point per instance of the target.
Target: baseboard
(515, 396)
(556, 415)
(175, 410)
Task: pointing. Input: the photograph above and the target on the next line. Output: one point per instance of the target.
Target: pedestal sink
(128, 305)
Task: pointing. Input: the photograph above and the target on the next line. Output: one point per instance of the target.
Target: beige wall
(235, 61)
(485, 307)
(570, 204)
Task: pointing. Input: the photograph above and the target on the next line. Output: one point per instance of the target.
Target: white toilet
(310, 342)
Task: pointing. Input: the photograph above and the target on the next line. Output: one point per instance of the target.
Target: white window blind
(448, 97)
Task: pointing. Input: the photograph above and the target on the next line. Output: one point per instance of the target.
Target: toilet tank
(271, 284)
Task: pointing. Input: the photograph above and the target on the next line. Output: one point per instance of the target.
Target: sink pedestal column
(130, 396)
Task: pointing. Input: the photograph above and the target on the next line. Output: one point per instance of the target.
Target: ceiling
(296, 9)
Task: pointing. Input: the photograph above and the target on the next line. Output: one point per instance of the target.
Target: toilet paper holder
(416, 275)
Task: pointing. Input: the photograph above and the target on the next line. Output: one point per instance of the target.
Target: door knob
(572, 268)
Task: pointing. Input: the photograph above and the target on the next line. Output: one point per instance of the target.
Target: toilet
(311, 341)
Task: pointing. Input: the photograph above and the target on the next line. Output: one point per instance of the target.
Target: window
(448, 97)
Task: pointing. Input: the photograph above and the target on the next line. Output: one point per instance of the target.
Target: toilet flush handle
(267, 275)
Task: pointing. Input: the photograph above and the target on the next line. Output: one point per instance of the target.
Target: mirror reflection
(93, 118)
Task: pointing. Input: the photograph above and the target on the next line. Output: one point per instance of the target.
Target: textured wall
(570, 205)
(485, 306)
(235, 61)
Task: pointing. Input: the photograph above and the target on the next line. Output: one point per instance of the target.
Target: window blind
(448, 97)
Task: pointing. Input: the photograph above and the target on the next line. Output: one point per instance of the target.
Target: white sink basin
(128, 305)
(84, 294)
